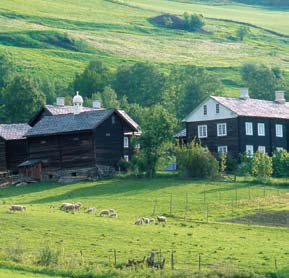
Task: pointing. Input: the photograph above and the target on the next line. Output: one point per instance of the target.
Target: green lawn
(193, 227)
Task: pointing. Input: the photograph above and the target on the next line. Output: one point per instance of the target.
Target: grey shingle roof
(255, 107)
(182, 133)
(60, 110)
(13, 131)
(64, 123)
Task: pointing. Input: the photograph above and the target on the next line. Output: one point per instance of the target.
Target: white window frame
(279, 130)
(222, 149)
(205, 109)
(279, 149)
(126, 157)
(125, 142)
(217, 108)
(249, 150)
(261, 129)
(249, 128)
(224, 130)
(262, 149)
(202, 131)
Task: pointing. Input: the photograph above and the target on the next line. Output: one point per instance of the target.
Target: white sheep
(77, 205)
(70, 207)
(90, 210)
(146, 220)
(63, 205)
(162, 219)
(138, 221)
(17, 208)
(104, 212)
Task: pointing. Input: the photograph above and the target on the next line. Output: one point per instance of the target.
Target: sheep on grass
(17, 208)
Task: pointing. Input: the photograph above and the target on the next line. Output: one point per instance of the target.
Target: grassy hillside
(193, 227)
(118, 31)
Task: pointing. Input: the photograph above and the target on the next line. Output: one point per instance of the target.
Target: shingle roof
(255, 107)
(60, 110)
(13, 131)
(69, 122)
(182, 133)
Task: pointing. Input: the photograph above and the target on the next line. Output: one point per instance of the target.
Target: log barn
(240, 125)
(13, 147)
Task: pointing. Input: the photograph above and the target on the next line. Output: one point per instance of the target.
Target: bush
(47, 256)
(123, 165)
(245, 167)
(262, 166)
(280, 161)
(193, 22)
(196, 162)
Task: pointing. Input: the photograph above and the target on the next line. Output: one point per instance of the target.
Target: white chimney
(279, 97)
(244, 93)
(60, 101)
(77, 103)
(96, 104)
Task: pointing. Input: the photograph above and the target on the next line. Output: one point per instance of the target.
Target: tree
(94, 78)
(142, 83)
(242, 32)
(22, 98)
(193, 22)
(262, 80)
(157, 129)
(262, 166)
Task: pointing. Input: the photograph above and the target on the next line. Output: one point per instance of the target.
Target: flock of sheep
(105, 212)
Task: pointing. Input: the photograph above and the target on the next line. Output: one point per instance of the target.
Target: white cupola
(77, 103)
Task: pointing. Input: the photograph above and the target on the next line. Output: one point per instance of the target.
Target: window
(249, 150)
(222, 129)
(202, 131)
(43, 142)
(205, 110)
(126, 158)
(261, 129)
(125, 142)
(113, 119)
(217, 108)
(249, 128)
(279, 130)
(107, 134)
(222, 149)
(279, 149)
(262, 149)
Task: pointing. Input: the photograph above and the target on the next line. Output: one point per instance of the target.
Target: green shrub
(280, 161)
(123, 165)
(244, 168)
(261, 166)
(193, 22)
(196, 162)
(47, 256)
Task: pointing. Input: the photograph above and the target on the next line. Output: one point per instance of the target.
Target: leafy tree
(22, 98)
(193, 22)
(242, 32)
(93, 79)
(280, 160)
(262, 80)
(157, 129)
(141, 83)
(262, 166)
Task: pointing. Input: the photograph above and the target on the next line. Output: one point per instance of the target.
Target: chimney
(96, 104)
(279, 97)
(60, 101)
(244, 93)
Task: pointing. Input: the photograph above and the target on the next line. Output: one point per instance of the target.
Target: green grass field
(195, 212)
(118, 31)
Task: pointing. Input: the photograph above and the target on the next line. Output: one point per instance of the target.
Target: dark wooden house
(239, 125)
(13, 147)
(77, 144)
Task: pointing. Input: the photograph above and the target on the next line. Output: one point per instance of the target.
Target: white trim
(261, 129)
(202, 131)
(250, 150)
(223, 130)
(262, 149)
(279, 149)
(249, 128)
(279, 130)
(222, 149)
(125, 142)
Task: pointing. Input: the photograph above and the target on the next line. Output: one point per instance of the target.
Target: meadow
(119, 31)
(199, 230)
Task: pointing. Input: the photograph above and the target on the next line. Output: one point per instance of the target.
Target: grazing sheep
(104, 212)
(162, 219)
(152, 220)
(77, 205)
(146, 220)
(70, 207)
(113, 214)
(63, 205)
(138, 221)
(112, 211)
(17, 208)
(90, 210)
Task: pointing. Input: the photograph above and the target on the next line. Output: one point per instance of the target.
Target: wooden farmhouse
(12, 146)
(239, 125)
(79, 142)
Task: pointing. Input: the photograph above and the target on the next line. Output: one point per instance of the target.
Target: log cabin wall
(16, 153)
(3, 165)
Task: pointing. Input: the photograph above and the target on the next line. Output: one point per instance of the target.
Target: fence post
(205, 197)
(187, 202)
(199, 262)
(171, 204)
(249, 192)
(114, 253)
(275, 264)
(207, 214)
(172, 260)
(236, 193)
(264, 189)
(154, 207)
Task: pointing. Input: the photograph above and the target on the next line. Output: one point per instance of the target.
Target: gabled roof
(182, 133)
(67, 123)
(129, 120)
(255, 107)
(13, 131)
